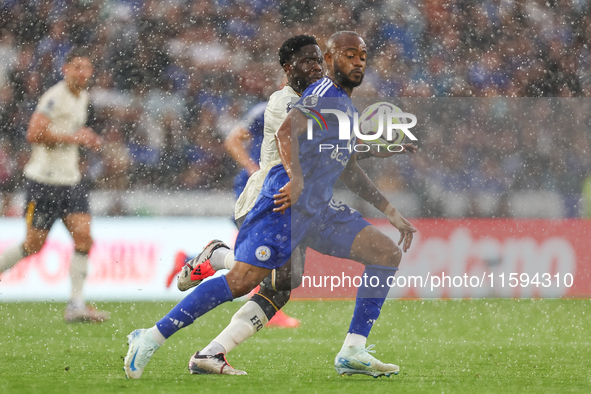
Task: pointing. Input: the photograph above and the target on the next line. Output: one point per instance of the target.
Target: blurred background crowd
(172, 78)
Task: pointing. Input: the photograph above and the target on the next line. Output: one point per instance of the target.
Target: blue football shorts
(267, 238)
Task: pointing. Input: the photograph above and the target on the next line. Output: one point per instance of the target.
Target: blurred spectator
(204, 153)
(116, 160)
(173, 78)
(7, 179)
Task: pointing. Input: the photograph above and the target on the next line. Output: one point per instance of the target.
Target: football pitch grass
(451, 346)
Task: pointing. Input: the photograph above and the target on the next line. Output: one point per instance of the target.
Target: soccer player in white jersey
(53, 180)
(301, 59)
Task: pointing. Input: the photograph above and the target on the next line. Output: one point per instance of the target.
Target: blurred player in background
(266, 238)
(53, 180)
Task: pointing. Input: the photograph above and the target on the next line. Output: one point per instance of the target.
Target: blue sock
(368, 304)
(204, 298)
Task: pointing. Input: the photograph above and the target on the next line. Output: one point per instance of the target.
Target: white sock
(229, 261)
(218, 258)
(11, 256)
(157, 336)
(78, 270)
(354, 343)
(245, 323)
(212, 349)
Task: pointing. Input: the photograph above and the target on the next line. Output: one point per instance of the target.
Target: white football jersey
(275, 114)
(58, 165)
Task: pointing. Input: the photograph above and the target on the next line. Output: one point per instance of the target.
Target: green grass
(453, 346)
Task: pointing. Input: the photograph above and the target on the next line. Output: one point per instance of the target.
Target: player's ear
(328, 59)
(287, 68)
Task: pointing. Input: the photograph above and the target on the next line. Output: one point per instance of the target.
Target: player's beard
(344, 80)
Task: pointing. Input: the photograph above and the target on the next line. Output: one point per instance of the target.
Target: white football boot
(363, 363)
(141, 348)
(212, 365)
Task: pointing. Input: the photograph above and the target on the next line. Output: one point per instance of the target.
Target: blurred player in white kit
(53, 180)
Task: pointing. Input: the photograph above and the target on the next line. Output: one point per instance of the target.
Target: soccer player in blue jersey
(295, 204)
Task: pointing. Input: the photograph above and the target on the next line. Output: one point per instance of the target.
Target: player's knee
(32, 246)
(388, 253)
(242, 278)
(396, 256)
(83, 244)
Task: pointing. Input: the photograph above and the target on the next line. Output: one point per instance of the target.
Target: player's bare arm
(39, 133)
(359, 183)
(292, 127)
(234, 144)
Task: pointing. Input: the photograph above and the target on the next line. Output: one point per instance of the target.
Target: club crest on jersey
(263, 253)
(310, 101)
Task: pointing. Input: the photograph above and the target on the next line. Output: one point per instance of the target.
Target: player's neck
(295, 88)
(349, 91)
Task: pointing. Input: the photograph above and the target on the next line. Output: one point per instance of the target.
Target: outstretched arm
(357, 180)
(286, 137)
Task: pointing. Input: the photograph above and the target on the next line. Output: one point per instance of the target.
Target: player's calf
(244, 277)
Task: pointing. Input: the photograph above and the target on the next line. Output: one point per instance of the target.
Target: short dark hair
(336, 36)
(293, 46)
(77, 52)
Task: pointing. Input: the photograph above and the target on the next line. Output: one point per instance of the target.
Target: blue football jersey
(323, 156)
